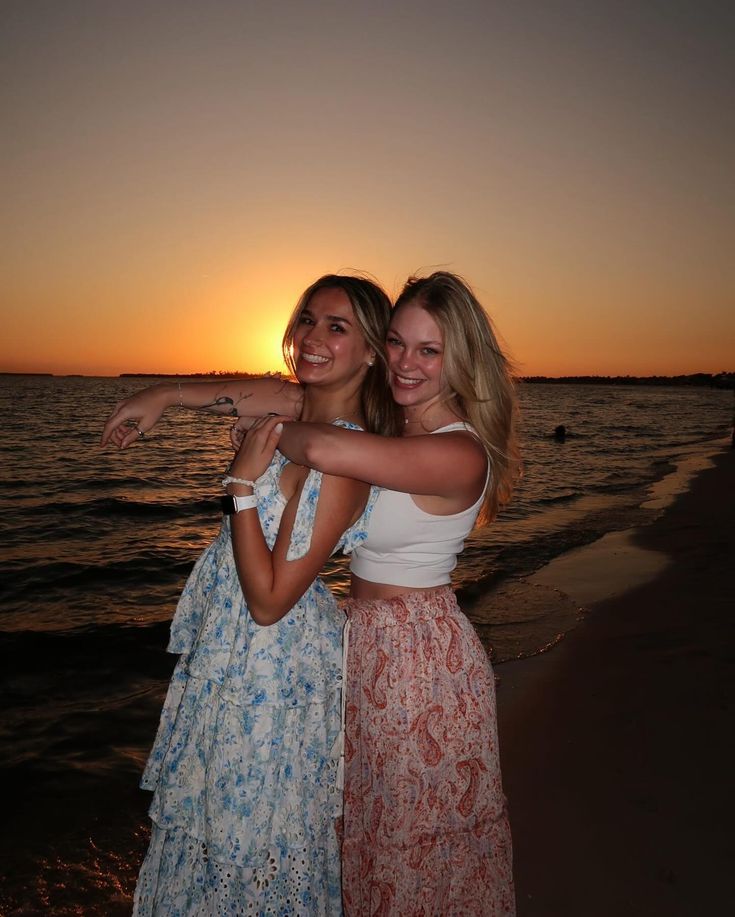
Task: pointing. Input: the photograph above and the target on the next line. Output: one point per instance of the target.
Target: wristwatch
(232, 504)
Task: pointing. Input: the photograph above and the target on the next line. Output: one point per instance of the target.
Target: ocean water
(96, 545)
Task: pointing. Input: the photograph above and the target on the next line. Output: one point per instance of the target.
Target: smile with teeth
(403, 380)
(314, 358)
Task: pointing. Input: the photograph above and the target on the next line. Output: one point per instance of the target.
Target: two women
(425, 828)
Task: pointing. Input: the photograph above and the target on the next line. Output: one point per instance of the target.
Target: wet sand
(616, 744)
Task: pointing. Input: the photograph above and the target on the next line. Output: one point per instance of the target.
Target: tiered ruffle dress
(244, 765)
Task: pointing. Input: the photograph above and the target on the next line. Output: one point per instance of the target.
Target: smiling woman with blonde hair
(425, 823)
(477, 376)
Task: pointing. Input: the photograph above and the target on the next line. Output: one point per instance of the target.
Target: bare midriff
(363, 589)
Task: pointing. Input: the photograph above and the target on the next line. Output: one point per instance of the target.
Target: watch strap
(233, 504)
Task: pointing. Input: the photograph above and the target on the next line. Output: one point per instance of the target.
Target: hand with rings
(136, 416)
(132, 425)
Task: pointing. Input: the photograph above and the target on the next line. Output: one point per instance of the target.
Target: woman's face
(415, 349)
(328, 346)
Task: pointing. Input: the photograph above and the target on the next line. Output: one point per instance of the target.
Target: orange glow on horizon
(171, 191)
(237, 327)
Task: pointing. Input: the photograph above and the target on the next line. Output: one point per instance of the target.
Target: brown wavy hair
(477, 375)
(372, 309)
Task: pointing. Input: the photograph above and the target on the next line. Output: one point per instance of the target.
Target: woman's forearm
(236, 397)
(136, 415)
(271, 581)
(254, 564)
(449, 465)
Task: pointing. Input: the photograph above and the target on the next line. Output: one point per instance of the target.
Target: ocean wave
(125, 506)
(80, 483)
(18, 483)
(559, 498)
(116, 638)
(622, 485)
(26, 578)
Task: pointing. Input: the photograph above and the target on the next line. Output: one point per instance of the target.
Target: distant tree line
(215, 373)
(703, 380)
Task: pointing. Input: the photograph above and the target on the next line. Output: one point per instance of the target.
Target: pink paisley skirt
(425, 824)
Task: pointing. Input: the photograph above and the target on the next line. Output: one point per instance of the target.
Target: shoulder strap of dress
(303, 524)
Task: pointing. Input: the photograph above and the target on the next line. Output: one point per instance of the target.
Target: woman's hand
(238, 430)
(256, 450)
(134, 416)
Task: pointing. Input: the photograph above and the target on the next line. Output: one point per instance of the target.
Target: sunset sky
(175, 173)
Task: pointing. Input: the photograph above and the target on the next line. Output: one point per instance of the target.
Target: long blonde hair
(372, 309)
(477, 375)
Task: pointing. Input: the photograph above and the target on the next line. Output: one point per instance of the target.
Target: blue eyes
(425, 351)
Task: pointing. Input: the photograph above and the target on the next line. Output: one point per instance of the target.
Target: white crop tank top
(406, 546)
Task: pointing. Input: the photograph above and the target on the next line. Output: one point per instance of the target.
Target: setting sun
(261, 350)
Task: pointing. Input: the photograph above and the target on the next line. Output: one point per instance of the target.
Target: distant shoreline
(706, 380)
(723, 380)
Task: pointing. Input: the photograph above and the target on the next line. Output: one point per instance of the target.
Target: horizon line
(723, 374)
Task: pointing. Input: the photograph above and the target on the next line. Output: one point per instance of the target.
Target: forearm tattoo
(223, 401)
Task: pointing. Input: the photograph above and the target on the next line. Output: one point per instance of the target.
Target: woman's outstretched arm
(448, 465)
(232, 397)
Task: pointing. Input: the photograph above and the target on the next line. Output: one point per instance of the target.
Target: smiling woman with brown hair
(244, 767)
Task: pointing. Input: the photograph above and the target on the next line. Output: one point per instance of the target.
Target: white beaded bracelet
(230, 480)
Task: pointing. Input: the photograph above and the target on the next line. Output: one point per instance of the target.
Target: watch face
(228, 504)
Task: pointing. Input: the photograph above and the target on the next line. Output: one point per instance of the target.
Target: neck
(425, 418)
(324, 407)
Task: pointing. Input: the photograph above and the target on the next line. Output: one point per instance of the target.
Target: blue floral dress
(244, 765)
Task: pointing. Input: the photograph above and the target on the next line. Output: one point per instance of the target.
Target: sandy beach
(616, 744)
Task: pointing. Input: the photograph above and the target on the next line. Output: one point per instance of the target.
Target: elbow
(303, 444)
(266, 613)
(316, 449)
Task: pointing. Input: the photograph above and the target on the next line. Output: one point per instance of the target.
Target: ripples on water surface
(97, 545)
(93, 536)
